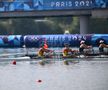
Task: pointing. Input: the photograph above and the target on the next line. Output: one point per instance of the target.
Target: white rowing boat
(80, 58)
(17, 54)
(26, 58)
(12, 54)
(98, 56)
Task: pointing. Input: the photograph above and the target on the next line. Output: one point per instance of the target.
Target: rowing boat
(66, 61)
(55, 57)
(35, 58)
(81, 56)
(12, 54)
(15, 58)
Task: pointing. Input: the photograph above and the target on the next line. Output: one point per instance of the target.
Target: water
(85, 75)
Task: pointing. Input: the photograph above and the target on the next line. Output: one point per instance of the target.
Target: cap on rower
(101, 41)
(82, 42)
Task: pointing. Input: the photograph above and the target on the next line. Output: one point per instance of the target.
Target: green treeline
(50, 25)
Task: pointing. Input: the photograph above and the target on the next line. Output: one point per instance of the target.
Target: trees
(50, 25)
(29, 26)
(98, 25)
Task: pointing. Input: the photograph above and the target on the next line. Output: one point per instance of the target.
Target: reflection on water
(85, 75)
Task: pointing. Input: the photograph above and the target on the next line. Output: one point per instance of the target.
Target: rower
(102, 45)
(44, 52)
(83, 46)
(67, 52)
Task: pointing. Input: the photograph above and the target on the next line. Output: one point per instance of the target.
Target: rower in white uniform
(84, 46)
(102, 45)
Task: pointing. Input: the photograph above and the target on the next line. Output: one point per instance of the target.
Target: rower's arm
(103, 45)
(87, 47)
(47, 50)
(70, 50)
(106, 46)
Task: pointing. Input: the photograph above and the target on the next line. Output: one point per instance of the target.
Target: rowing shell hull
(16, 58)
(80, 58)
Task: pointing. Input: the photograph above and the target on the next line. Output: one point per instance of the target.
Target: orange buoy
(14, 62)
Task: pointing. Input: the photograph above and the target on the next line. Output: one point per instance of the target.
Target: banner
(101, 3)
(68, 4)
(32, 5)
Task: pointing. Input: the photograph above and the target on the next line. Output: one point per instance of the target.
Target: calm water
(85, 75)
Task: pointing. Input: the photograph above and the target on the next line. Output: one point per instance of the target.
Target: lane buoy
(39, 81)
(14, 62)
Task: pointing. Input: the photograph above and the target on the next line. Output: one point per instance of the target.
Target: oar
(107, 51)
(27, 53)
(93, 50)
(24, 46)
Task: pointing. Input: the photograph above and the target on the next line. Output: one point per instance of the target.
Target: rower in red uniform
(68, 52)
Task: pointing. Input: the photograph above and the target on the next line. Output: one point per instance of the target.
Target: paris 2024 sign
(12, 8)
(32, 5)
